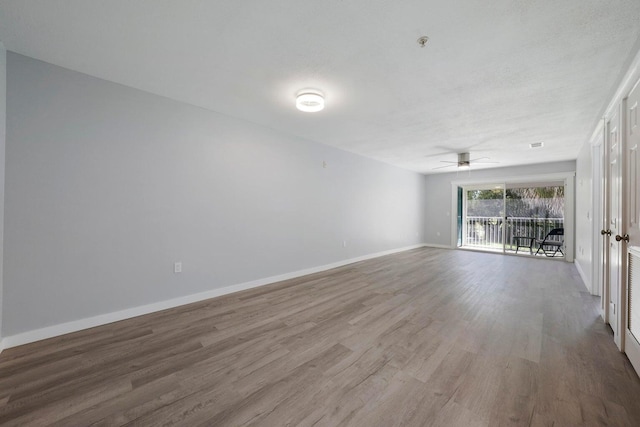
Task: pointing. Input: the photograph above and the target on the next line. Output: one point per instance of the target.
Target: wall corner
(3, 133)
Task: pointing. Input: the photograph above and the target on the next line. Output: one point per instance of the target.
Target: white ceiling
(494, 76)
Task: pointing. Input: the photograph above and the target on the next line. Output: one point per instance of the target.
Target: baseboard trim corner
(582, 275)
(103, 319)
(437, 246)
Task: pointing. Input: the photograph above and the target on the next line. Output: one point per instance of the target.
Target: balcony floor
(524, 251)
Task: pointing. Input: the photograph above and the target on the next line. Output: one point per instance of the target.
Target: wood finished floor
(425, 337)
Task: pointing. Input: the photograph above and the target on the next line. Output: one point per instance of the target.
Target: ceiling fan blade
(436, 155)
(447, 161)
(479, 158)
(486, 163)
(442, 167)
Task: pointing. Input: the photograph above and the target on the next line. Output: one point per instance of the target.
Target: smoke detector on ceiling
(422, 41)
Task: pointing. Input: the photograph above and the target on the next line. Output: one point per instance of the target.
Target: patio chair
(551, 244)
(524, 242)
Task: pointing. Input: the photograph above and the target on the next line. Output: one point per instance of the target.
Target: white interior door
(632, 225)
(615, 211)
(602, 272)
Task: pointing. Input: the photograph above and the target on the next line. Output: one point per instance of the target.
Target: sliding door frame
(465, 200)
(569, 207)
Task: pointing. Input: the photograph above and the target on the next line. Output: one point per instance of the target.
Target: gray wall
(438, 210)
(107, 186)
(3, 115)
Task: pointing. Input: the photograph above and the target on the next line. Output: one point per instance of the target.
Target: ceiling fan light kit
(463, 163)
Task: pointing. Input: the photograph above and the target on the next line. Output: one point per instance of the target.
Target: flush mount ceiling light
(310, 100)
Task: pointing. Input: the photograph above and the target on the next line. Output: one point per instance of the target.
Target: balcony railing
(489, 231)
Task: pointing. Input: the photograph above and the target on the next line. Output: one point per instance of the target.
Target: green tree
(528, 202)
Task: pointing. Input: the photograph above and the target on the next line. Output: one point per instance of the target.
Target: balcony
(488, 233)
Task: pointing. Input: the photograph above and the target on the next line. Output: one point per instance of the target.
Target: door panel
(633, 160)
(602, 239)
(484, 217)
(632, 223)
(615, 210)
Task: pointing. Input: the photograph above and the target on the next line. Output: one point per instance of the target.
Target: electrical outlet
(177, 267)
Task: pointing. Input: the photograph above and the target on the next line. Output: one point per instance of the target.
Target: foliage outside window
(536, 202)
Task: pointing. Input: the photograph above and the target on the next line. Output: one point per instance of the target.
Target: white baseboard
(435, 245)
(632, 350)
(586, 282)
(103, 319)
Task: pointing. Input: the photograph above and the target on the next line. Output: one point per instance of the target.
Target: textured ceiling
(494, 76)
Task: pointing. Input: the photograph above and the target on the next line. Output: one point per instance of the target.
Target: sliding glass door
(484, 217)
(533, 210)
(513, 217)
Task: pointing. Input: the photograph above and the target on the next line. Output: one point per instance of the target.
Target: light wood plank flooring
(425, 337)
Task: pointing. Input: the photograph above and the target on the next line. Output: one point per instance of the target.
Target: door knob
(607, 232)
(625, 237)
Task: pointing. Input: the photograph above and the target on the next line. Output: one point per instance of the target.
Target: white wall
(584, 215)
(438, 207)
(107, 186)
(3, 115)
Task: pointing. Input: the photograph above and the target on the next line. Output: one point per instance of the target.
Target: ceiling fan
(463, 163)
